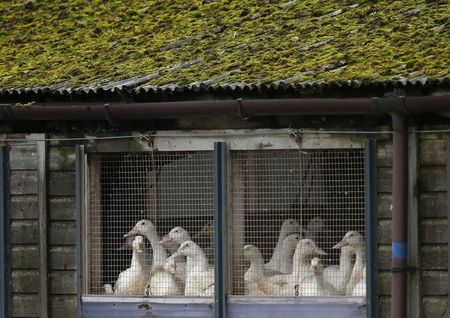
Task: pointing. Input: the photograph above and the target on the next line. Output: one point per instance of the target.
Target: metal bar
(399, 216)
(370, 176)
(414, 284)
(5, 237)
(42, 199)
(79, 171)
(220, 229)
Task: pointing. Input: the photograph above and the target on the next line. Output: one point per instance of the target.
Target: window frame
(222, 142)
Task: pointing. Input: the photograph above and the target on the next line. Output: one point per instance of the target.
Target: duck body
(339, 275)
(254, 272)
(199, 275)
(314, 284)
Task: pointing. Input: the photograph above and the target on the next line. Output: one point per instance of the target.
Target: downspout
(399, 216)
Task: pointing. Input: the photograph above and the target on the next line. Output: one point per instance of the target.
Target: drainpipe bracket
(110, 118)
(241, 112)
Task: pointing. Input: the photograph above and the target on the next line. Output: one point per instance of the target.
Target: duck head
(290, 226)
(352, 238)
(251, 252)
(308, 247)
(177, 235)
(142, 227)
(188, 249)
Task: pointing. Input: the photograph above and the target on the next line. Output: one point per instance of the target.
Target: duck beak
(176, 254)
(133, 232)
(342, 243)
(165, 239)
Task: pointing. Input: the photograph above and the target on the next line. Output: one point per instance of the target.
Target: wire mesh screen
(298, 222)
(163, 204)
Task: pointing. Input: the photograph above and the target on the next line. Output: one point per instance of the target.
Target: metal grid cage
(148, 195)
(289, 208)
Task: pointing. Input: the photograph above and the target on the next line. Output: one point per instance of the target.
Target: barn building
(244, 124)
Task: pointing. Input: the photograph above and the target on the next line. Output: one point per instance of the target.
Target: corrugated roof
(138, 47)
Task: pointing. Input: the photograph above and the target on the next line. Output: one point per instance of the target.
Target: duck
(355, 240)
(339, 275)
(133, 280)
(254, 272)
(199, 275)
(287, 252)
(160, 281)
(314, 284)
(176, 265)
(288, 284)
(289, 226)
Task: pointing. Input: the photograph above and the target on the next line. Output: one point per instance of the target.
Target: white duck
(199, 275)
(314, 284)
(288, 227)
(133, 280)
(160, 282)
(254, 272)
(287, 252)
(176, 265)
(355, 240)
(288, 284)
(339, 275)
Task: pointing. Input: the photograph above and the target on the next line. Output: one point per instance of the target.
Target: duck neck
(299, 266)
(286, 255)
(360, 257)
(345, 263)
(256, 266)
(197, 263)
(278, 248)
(136, 259)
(159, 252)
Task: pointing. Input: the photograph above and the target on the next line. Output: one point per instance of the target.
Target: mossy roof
(76, 43)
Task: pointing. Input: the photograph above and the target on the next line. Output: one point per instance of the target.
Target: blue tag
(399, 250)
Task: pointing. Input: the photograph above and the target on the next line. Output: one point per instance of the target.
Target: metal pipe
(399, 216)
(209, 108)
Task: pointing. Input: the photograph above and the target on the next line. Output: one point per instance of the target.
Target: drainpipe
(399, 216)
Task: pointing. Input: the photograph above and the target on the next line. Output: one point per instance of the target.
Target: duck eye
(143, 223)
(176, 231)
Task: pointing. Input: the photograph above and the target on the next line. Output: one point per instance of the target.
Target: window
(280, 194)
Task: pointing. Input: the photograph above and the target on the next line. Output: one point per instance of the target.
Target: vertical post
(370, 176)
(42, 199)
(5, 234)
(414, 285)
(399, 216)
(220, 229)
(79, 171)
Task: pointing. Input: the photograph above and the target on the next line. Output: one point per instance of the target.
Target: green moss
(78, 42)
